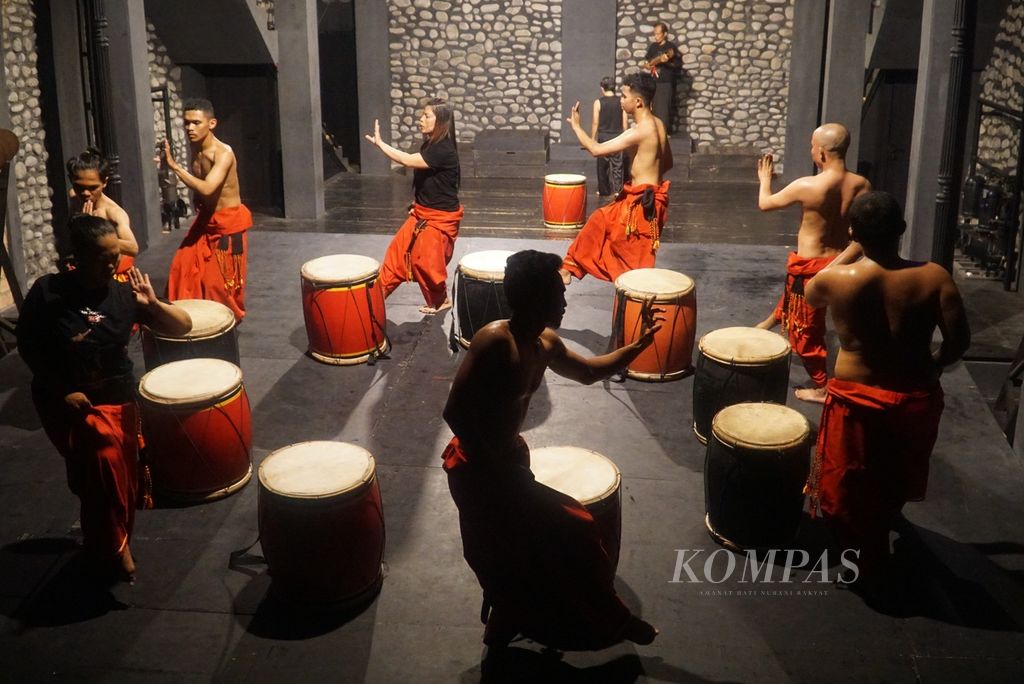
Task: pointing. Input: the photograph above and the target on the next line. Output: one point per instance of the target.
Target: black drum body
(477, 303)
(717, 384)
(158, 350)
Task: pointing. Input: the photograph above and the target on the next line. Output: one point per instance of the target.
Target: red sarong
(619, 237)
(420, 251)
(124, 265)
(535, 551)
(100, 449)
(872, 457)
(801, 322)
(211, 261)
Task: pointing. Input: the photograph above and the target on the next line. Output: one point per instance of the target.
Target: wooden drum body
(670, 357)
(198, 430)
(321, 523)
(737, 365)
(565, 200)
(480, 292)
(344, 309)
(213, 336)
(757, 461)
(590, 478)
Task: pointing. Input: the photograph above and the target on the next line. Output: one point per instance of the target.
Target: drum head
(662, 284)
(564, 179)
(585, 475)
(760, 426)
(189, 382)
(744, 346)
(316, 470)
(339, 269)
(486, 265)
(208, 318)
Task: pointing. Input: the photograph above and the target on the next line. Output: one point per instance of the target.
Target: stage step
(724, 163)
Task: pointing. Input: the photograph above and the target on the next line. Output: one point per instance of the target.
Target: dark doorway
(886, 129)
(339, 95)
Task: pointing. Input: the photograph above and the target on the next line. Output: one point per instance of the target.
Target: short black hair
(84, 231)
(876, 218)
(529, 275)
(607, 83)
(642, 84)
(90, 160)
(199, 104)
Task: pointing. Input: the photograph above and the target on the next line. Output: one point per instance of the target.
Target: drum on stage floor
(213, 336)
(565, 200)
(344, 309)
(756, 464)
(590, 478)
(198, 429)
(321, 523)
(737, 365)
(480, 292)
(670, 357)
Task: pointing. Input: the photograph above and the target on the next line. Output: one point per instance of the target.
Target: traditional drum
(196, 422)
(480, 292)
(213, 336)
(565, 200)
(736, 365)
(321, 523)
(591, 479)
(344, 309)
(757, 461)
(670, 357)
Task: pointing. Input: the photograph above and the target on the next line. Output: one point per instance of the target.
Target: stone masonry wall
(1003, 82)
(163, 70)
(735, 62)
(498, 63)
(28, 170)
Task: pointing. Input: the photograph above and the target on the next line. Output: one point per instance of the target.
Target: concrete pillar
(843, 82)
(132, 112)
(803, 110)
(298, 98)
(373, 72)
(930, 104)
(589, 28)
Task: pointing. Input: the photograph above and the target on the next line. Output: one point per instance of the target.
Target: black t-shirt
(76, 340)
(437, 187)
(667, 71)
(609, 119)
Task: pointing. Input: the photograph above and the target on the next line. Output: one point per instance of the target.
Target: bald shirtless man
(543, 569)
(882, 410)
(625, 234)
(824, 232)
(211, 261)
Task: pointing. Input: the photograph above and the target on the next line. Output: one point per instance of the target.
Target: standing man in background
(664, 63)
(608, 121)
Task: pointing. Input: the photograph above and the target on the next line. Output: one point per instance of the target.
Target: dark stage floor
(199, 613)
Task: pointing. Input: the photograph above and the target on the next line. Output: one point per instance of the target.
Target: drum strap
(618, 336)
(239, 558)
(453, 340)
(420, 226)
(377, 353)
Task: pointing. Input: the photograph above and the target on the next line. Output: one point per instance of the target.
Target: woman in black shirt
(423, 246)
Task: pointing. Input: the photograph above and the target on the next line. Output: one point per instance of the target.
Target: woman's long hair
(444, 125)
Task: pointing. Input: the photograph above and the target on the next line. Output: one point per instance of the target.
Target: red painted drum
(321, 523)
(755, 467)
(670, 357)
(565, 200)
(591, 479)
(198, 430)
(344, 309)
(213, 336)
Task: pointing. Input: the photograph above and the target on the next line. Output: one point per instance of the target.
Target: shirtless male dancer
(211, 261)
(882, 411)
(625, 233)
(89, 174)
(824, 232)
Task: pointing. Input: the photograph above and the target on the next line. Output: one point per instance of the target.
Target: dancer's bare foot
(815, 395)
(566, 276)
(127, 565)
(639, 631)
(430, 311)
(768, 323)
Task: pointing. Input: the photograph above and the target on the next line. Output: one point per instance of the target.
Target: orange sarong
(124, 265)
(535, 551)
(872, 457)
(100, 450)
(211, 261)
(802, 323)
(420, 251)
(622, 235)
